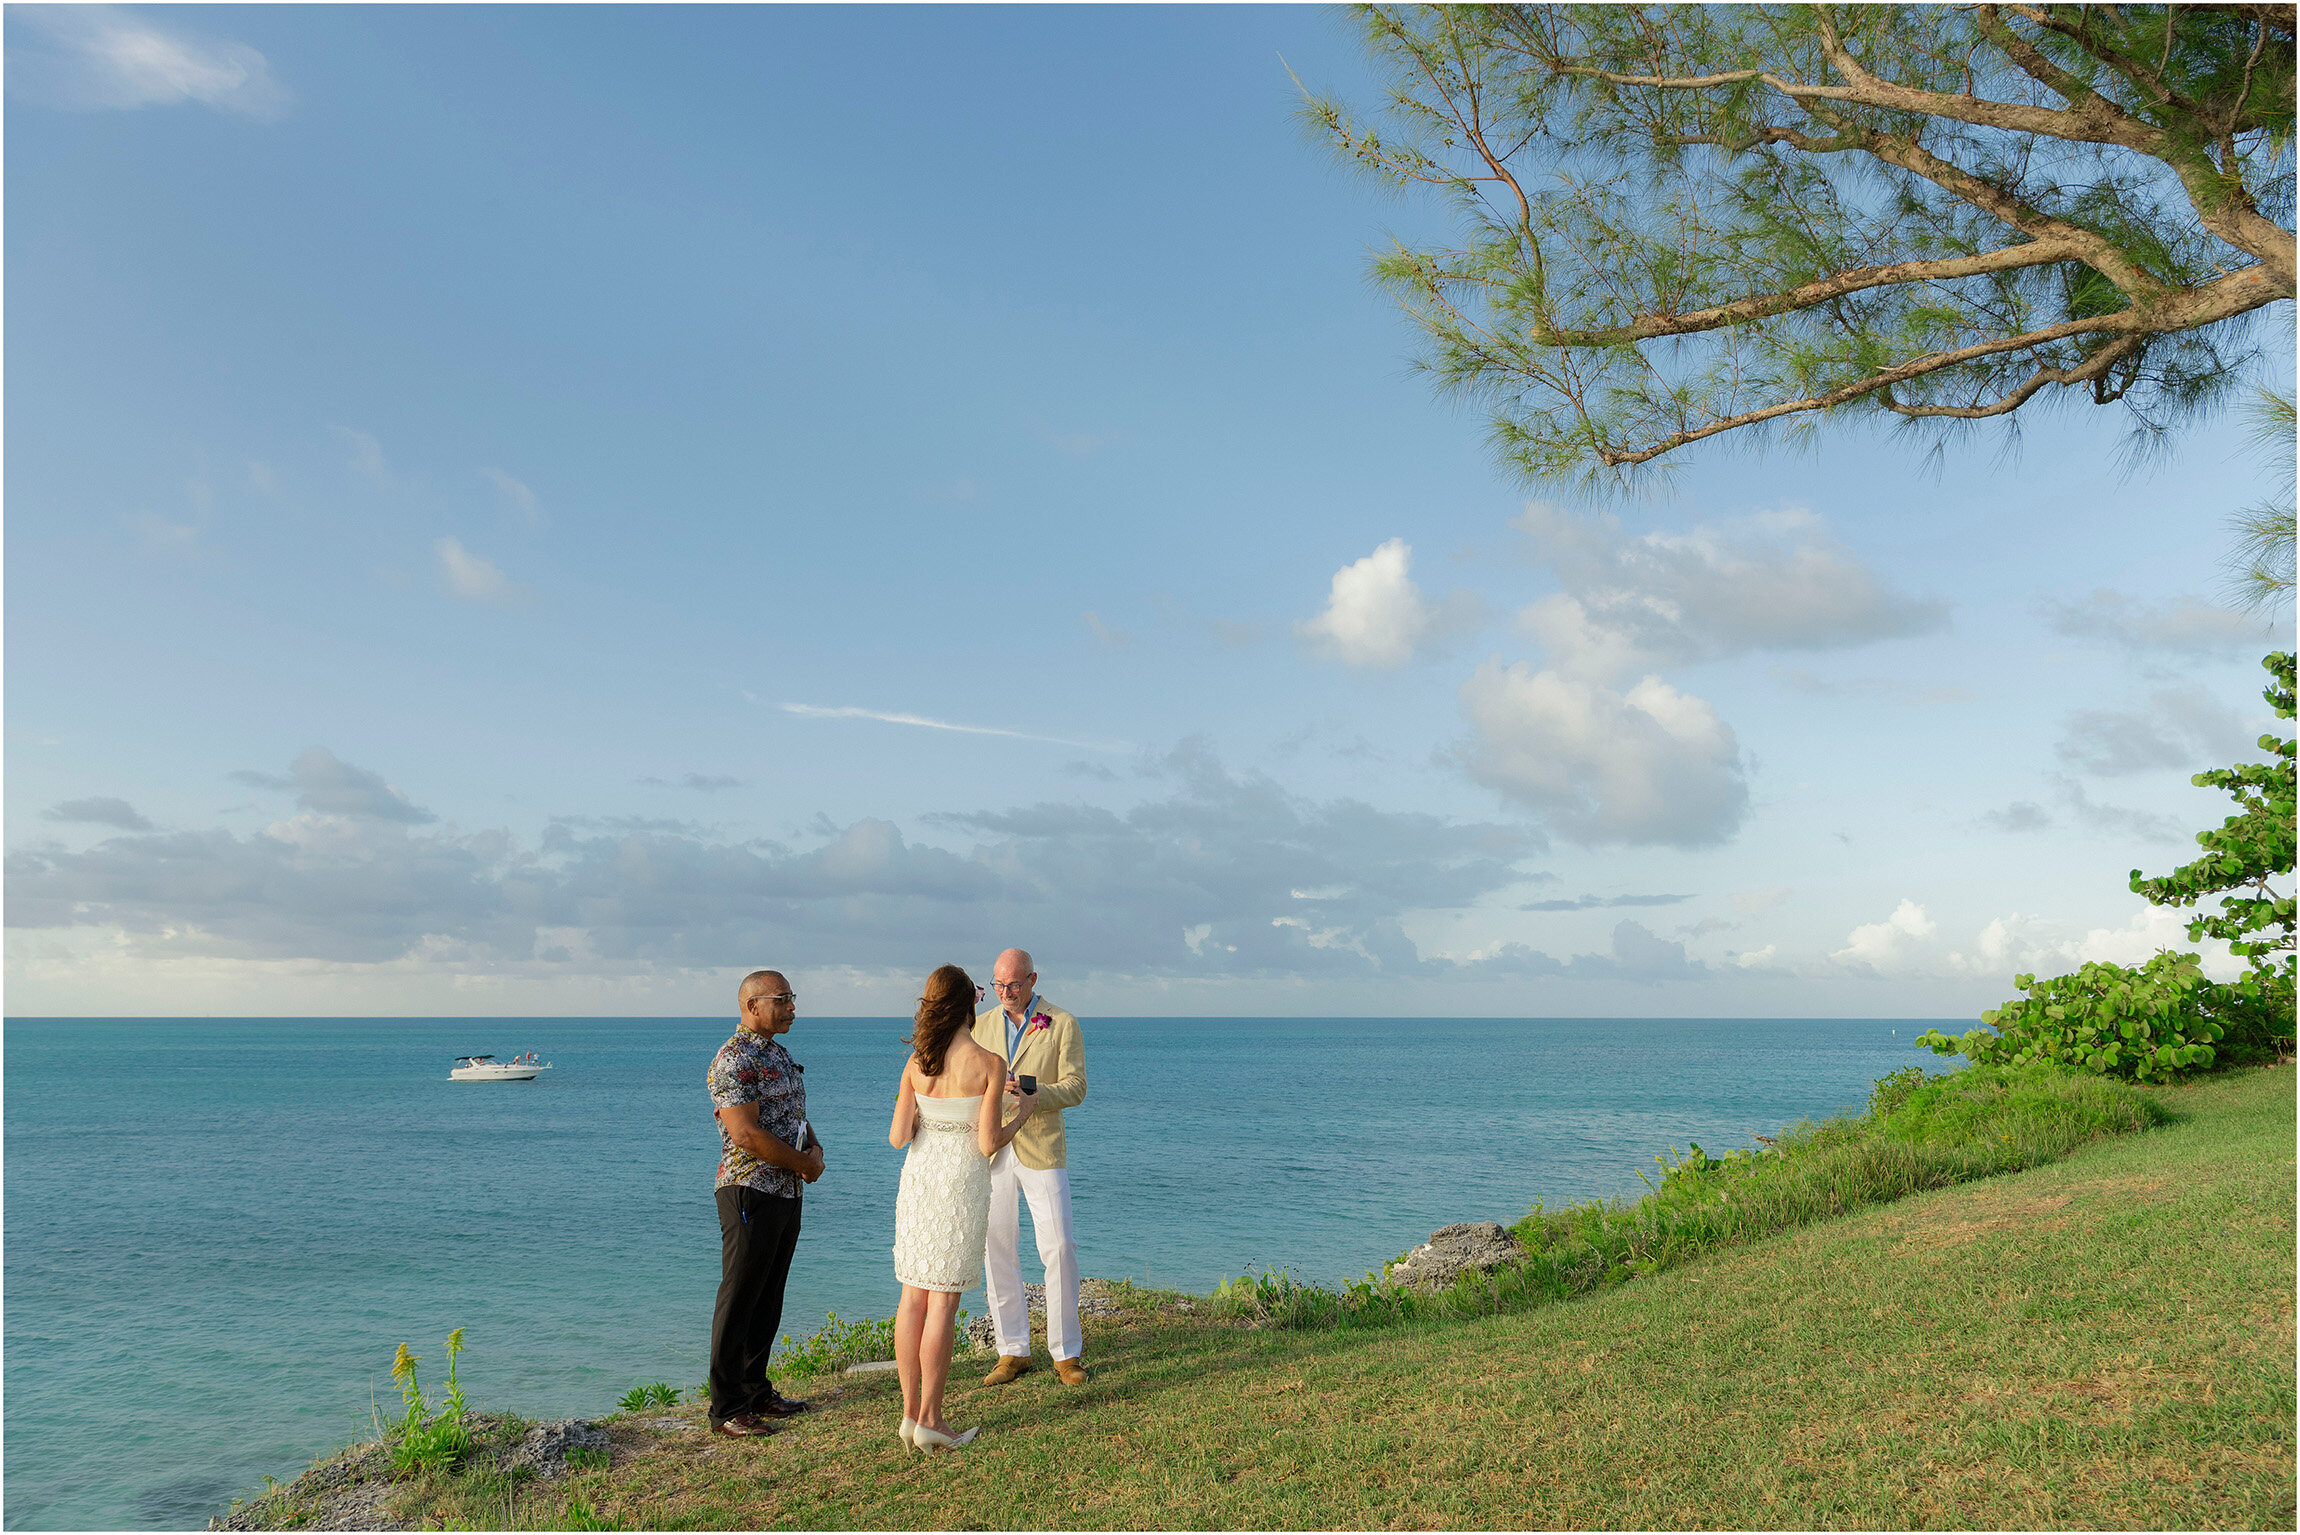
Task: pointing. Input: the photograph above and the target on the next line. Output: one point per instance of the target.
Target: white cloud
(1652, 765)
(923, 722)
(1652, 762)
(2108, 744)
(1772, 582)
(2119, 821)
(2182, 729)
(1599, 902)
(1882, 689)
(467, 575)
(2115, 820)
(1891, 944)
(98, 57)
(157, 535)
(702, 783)
(2187, 625)
(2019, 816)
(99, 812)
(1604, 650)
(366, 454)
(515, 495)
(1104, 634)
(327, 785)
(2013, 944)
(1637, 950)
(354, 879)
(1636, 954)
(1376, 617)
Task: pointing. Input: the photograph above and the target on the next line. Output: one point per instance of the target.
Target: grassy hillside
(2106, 1341)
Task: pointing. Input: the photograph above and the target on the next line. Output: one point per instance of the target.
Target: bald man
(767, 1150)
(1036, 1039)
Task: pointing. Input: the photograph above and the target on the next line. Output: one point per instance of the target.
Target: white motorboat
(486, 1068)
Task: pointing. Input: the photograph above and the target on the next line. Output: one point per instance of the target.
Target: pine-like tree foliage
(1682, 221)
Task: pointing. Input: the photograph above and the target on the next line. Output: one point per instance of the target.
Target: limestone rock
(544, 1449)
(1093, 1300)
(1473, 1247)
(344, 1491)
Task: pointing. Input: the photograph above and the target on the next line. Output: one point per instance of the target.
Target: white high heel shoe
(934, 1439)
(909, 1427)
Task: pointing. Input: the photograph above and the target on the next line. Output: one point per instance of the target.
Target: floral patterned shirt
(752, 1068)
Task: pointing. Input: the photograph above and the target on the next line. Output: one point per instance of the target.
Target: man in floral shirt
(767, 1149)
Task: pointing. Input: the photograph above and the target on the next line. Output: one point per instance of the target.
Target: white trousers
(1049, 1193)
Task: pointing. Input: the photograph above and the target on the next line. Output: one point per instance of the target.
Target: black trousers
(757, 1234)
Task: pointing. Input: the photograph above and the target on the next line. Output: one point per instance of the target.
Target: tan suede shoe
(1070, 1372)
(1010, 1367)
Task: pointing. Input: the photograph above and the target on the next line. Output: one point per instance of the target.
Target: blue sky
(504, 502)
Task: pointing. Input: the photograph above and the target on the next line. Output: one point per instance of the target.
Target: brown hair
(947, 1008)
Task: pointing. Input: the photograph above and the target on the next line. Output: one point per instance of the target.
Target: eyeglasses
(780, 996)
(1006, 986)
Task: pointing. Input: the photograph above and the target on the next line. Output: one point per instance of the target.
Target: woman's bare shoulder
(982, 1066)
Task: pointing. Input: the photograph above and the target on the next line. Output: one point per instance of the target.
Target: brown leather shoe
(744, 1426)
(779, 1406)
(1010, 1367)
(1070, 1372)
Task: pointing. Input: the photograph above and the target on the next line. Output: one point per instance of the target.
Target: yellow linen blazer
(1056, 1056)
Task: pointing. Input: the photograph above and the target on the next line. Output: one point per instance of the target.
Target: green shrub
(1275, 1297)
(2047, 1111)
(2165, 1021)
(2153, 1024)
(839, 1344)
(2255, 1011)
(1893, 1089)
(424, 1437)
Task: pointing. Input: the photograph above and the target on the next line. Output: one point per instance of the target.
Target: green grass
(1919, 1133)
(2102, 1341)
(838, 1344)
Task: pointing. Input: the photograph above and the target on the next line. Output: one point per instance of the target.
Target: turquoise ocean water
(218, 1231)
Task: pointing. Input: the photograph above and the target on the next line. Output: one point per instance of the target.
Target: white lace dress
(943, 1206)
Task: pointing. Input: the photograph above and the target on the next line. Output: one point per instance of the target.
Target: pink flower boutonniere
(1039, 1021)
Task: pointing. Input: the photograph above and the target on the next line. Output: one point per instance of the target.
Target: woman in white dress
(947, 1111)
